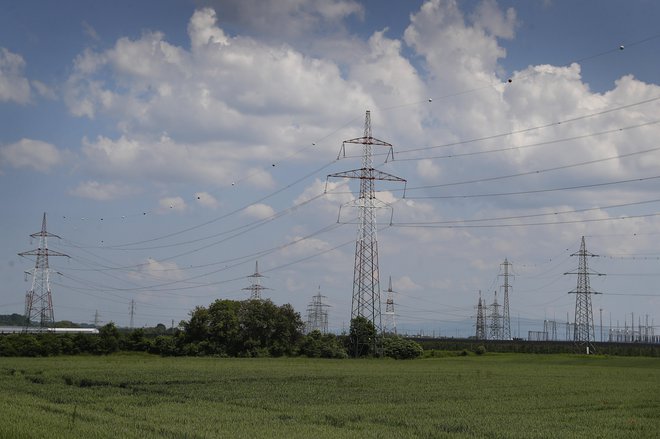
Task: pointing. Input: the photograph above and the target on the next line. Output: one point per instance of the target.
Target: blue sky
(173, 143)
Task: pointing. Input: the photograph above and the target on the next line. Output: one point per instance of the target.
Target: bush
(317, 345)
(480, 350)
(400, 348)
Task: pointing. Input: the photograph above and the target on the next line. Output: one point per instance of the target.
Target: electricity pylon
(389, 326)
(506, 287)
(481, 321)
(38, 300)
(317, 314)
(495, 323)
(131, 311)
(583, 334)
(255, 288)
(366, 281)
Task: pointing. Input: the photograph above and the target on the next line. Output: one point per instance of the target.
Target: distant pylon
(495, 321)
(366, 281)
(583, 334)
(506, 287)
(389, 326)
(481, 320)
(317, 314)
(132, 313)
(255, 288)
(38, 300)
(96, 319)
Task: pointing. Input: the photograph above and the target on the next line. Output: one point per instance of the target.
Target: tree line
(226, 328)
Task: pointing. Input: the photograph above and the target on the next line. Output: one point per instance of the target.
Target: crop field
(496, 396)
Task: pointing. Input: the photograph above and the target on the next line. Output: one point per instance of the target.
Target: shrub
(317, 345)
(400, 348)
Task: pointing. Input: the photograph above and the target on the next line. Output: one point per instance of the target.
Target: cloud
(43, 90)
(163, 160)
(14, 86)
(176, 204)
(102, 191)
(259, 211)
(405, 283)
(210, 99)
(207, 200)
(28, 153)
(428, 170)
(287, 19)
(89, 31)
(157, 271)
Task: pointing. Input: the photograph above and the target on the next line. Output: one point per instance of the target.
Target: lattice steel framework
(583, 334)
(506, 287)
(389, 326)
(366, 282)
(317, 314)
(481, 321)
(495, 320)
(255, 288)
(39, 300)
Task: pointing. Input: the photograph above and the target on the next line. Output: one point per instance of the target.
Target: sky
(174, 143)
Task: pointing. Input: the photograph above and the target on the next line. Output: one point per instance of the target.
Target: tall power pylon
(366, 281)
(481, 320)
(506, 287)
(317, 314)
(39, 300)
(131, 311)
(389, 326)
(495, 321)
(255, 288)
(584, 334)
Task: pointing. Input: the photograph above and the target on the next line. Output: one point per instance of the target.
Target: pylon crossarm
(42, 252)
(369, 141)
(354, 173)
(374, 174)
(384, 176)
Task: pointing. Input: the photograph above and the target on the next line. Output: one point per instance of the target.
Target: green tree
(136, 340)
(109, 338)
(317, 345)
(401, 348)
(362, 337)
(247, 328)
(266, 328)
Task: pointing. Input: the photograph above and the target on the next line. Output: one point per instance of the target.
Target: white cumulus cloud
(14, 86)
(29, 153)
(259, 211)
(102, 191)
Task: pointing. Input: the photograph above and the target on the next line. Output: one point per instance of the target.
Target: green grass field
(496, 396)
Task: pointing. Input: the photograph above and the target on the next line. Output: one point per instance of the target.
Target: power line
(535, 191)
(536, 215)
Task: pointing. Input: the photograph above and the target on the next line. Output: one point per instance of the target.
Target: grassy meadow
(493, 396)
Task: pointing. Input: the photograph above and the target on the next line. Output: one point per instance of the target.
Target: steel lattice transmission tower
(389, 327)
(255, 288)
(366, 282)
(131, 312)
(506, 287)
(481, 320)
(317, 314)
(38, 300)
(583, 334)
(495, 321)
